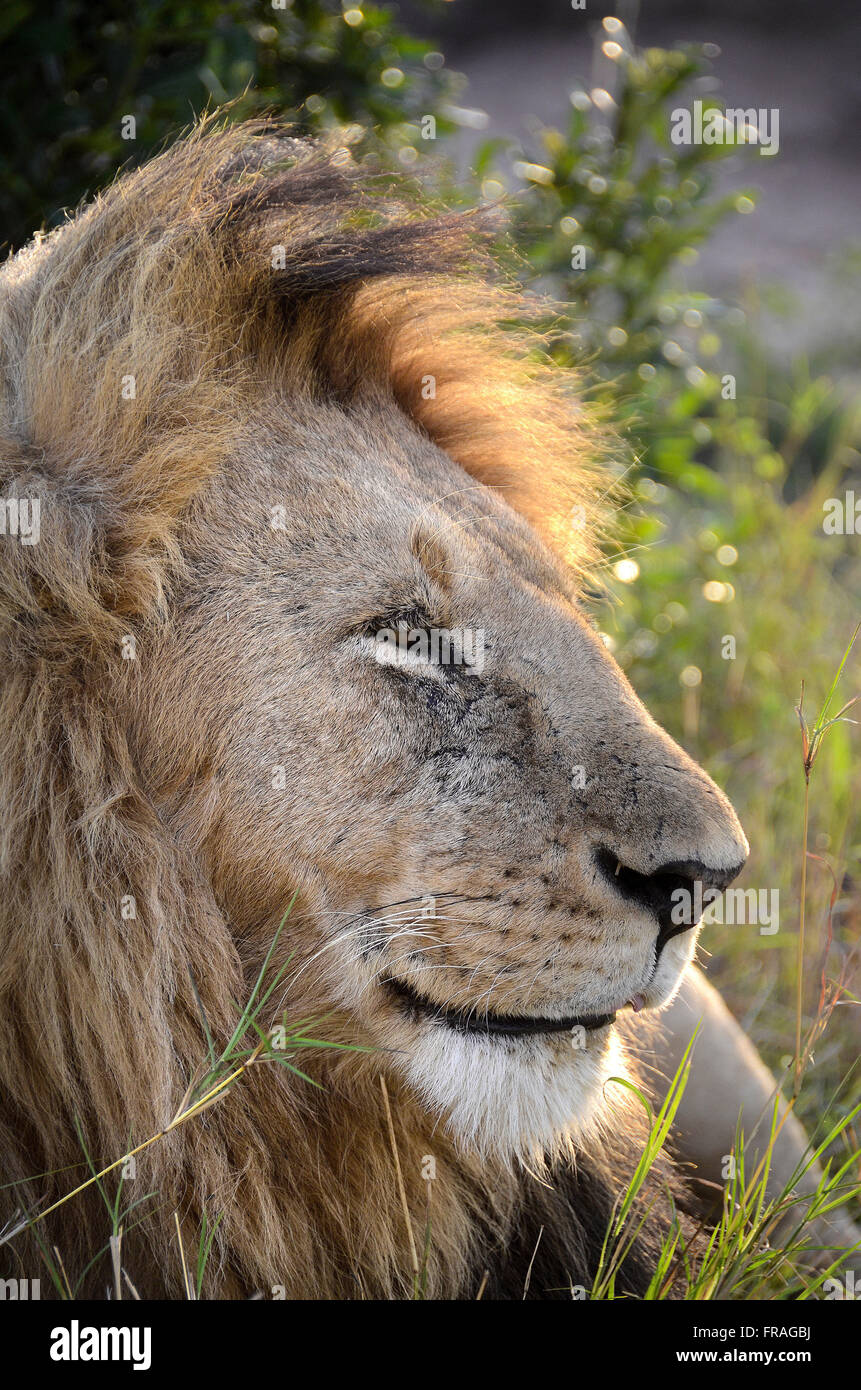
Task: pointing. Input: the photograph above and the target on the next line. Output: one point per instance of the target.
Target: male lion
(268, 429)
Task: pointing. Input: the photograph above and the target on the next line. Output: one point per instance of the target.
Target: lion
(274, 443)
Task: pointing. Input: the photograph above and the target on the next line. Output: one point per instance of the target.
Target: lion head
(303, 628)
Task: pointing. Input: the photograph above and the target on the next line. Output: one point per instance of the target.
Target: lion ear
(431, 555)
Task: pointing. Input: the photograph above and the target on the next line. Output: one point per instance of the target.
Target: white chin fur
(675, 959)
(513, 1098)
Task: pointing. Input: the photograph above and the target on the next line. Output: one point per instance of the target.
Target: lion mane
(138, 341)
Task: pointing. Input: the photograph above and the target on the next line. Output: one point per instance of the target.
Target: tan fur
(299, 387)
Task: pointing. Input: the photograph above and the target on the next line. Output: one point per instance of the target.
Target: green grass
(743, 1256)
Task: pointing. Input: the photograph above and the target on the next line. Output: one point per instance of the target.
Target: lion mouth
(484, 1024)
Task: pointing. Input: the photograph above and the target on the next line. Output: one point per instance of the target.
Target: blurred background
(707, 300)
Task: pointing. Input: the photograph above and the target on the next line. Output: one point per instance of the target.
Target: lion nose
(674, 891)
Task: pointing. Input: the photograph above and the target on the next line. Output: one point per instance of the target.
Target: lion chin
(523, 1089)
(297, 683)
(528, 1100)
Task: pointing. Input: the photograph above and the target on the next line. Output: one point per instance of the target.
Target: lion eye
(412, 639)
(413, 620)
(398, 621)
(401, 638)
